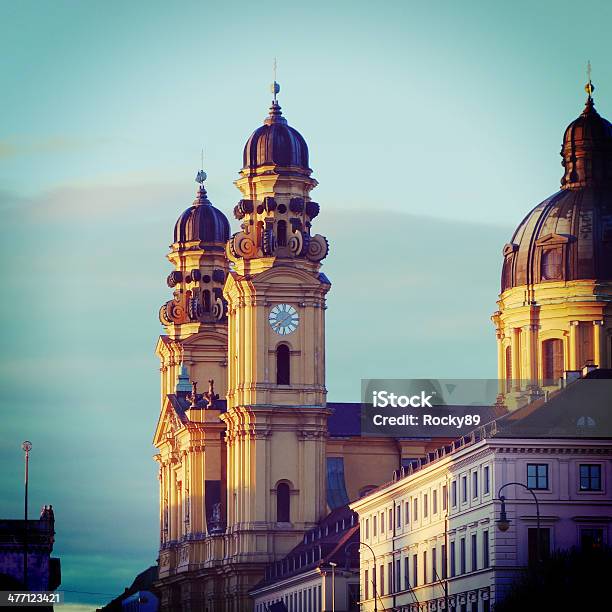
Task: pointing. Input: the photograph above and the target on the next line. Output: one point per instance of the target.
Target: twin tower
(247, 452)
(243, 426)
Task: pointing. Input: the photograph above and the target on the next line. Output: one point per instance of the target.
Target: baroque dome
(568, 236)
(276, 143)
(202, 222)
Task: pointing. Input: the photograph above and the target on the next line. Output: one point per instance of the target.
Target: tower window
(281, 233)
(207, 300)
(552, 268)
(283, 366)
(552, 360)
(283, 503)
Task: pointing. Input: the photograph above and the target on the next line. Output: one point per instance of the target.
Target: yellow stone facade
(578, 314)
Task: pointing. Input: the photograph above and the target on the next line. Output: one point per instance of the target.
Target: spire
(275, 87)
(589, 107)
(275, 115)
(589, 87)
(201, 176)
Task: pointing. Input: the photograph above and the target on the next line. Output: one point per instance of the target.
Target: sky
(433, 129)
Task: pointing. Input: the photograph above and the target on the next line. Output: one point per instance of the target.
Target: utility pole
(27, 447)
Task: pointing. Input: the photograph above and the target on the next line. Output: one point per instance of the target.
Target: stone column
(532, 330)
(599, 346)
(516, 358)
(573, 345)
(501, 370)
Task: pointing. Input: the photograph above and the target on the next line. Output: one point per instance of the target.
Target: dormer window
(509, 253)
(552, 264)
(552, 252)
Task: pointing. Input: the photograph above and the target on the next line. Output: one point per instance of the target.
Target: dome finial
(275, 115)
(275, 87)
(589, 87)
(200, 178)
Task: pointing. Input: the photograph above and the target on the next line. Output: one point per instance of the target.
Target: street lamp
(27, 447)
(346, 552)
(333, 566)
(503, 523)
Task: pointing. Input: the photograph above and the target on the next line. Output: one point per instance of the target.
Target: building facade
(37, 537)
(433, 532)
(252, 456)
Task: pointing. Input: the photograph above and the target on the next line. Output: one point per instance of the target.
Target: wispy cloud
(50, 144)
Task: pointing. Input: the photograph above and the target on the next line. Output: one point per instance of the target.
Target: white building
(433, 530)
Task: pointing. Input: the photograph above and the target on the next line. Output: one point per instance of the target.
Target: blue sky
(433, 129)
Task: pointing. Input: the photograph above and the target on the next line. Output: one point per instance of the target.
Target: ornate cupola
(276, 211)
(200, 267)
(555, 306)
(587, 148)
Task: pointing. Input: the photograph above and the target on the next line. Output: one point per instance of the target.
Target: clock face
(283, 319)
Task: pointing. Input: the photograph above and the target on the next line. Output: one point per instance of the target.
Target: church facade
(252, 458)
(251, 454)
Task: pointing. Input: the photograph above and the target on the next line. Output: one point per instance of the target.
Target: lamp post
(503, 523)
(333, 566)
(27, 447)
(346, 552)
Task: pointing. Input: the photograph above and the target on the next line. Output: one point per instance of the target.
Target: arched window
(283, 503)
(283, 367)
(281, 233)
(552, 268)
(508, 369)
(552, 360)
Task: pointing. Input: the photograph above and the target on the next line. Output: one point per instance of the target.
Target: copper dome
(202, 222)
(568, 236)
(276, 143)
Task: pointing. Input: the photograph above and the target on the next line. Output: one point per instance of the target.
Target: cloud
(52, 144)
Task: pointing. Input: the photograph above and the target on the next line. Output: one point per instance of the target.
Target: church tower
(555, 306)
(276, 414)
(190, 434)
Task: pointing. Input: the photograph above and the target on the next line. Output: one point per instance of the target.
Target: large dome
(276, 143)
(202, 222)
(568, 236)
